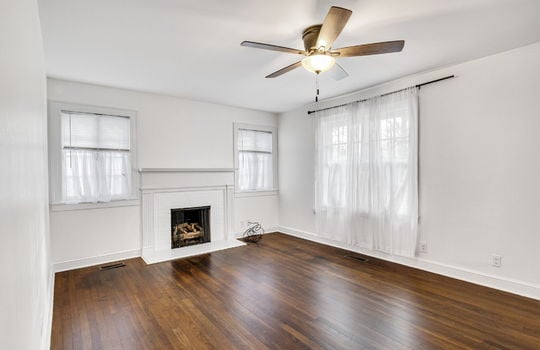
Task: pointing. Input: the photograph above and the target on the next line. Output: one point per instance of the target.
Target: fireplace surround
(156, 206)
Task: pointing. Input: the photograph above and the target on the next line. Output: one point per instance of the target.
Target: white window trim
(55, 109)
(265, 192)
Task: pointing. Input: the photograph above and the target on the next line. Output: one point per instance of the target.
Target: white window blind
(96, 158)
(255, 160)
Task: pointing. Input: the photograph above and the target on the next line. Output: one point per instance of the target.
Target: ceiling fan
(318, 40)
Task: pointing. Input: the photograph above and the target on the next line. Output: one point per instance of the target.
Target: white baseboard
(522, 288)
(95, 260)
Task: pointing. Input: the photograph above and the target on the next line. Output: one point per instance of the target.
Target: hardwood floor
(284, 293)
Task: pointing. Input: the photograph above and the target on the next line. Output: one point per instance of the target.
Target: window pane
(255, 160)
(95, 131)
(253, 140)
(114, 132)
(115, 174)
(255, 171)
(92, 171)
(80, 182)
(95, 176)
(79, 130)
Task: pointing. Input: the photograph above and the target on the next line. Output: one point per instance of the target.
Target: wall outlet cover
(496, 260)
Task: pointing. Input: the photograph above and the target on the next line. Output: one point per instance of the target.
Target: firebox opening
(190, 226)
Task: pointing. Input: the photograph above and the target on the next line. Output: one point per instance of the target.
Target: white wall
(26, 288)
(479, 169)
(171, 133)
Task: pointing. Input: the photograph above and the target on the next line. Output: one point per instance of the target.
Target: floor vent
(112, 266)
(356, 257)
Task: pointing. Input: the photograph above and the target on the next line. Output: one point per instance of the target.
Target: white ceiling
(192, 48)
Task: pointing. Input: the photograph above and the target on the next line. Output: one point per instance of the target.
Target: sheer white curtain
(96, 158)
(255, 160)
(366, 173)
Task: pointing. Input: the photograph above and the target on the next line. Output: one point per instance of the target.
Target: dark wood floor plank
(284, 293)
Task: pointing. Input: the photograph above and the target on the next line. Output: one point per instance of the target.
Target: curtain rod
(388, 93)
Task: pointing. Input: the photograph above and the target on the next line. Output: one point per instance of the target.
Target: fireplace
(190, 226)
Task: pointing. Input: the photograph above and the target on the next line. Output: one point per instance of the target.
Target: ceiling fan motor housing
(310, 36)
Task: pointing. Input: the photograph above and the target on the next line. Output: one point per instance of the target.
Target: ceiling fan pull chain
(317, 87)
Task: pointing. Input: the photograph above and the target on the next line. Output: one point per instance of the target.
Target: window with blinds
(96, 158)
(255, 159)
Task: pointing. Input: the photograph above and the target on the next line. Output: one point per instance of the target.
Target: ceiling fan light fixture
(318, 63)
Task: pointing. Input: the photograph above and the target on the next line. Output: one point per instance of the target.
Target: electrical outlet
(423, 247)
(242, 224)
(496, 260)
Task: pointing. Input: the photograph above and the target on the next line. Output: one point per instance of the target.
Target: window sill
(242, 194)
(84, 206)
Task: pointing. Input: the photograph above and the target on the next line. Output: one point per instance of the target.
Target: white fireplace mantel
(156, 205)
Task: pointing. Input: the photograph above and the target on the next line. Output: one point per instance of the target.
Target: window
(92, 159)
(355, 149)
(255, 158)
(335, 147)
(366, 190)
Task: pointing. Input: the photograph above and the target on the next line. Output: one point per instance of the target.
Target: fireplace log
(191, 235)
(183, 228)
(188, 228)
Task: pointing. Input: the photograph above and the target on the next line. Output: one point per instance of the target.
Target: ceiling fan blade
(284, 70)
(333, 24)
(272, 47)
(337, 72)
(371, 49)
